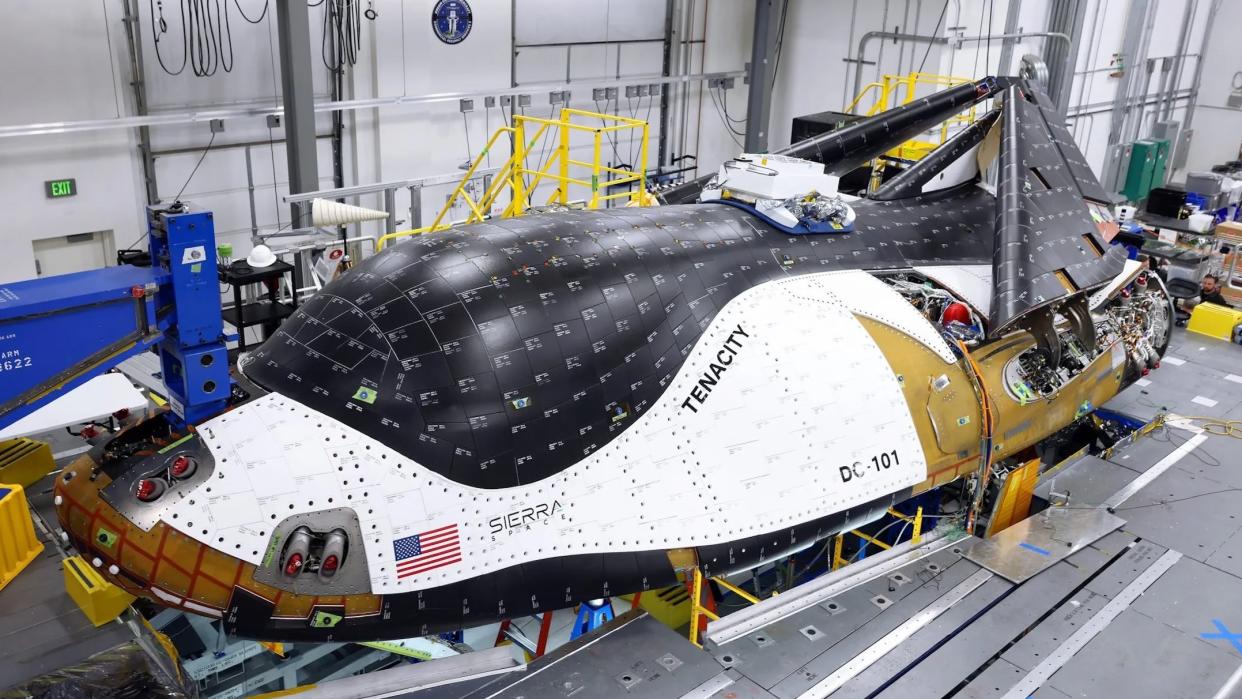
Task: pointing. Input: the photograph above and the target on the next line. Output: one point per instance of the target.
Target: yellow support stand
(916, 536)
(25, 461)
(99, 600)
(1214, 321)
(18, 543)
(697, 610)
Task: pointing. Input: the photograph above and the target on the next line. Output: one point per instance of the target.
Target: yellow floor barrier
(99, 600)
(25, 461)
(18, 543)
(1214, 321)
(670, 605)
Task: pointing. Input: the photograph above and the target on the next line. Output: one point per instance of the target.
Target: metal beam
(666, 69)
(1004, 67)
(762, 58)
(1065, 17)
(293, 26)
(133, 38)
(260, 110)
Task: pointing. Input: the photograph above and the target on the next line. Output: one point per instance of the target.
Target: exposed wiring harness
(985, 441)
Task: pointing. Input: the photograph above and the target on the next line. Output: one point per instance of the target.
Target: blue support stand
(193, 357)
(592, 616)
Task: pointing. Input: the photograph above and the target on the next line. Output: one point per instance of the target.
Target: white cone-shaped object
(325, 212)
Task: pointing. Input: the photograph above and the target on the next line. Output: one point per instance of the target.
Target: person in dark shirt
(1209, 291)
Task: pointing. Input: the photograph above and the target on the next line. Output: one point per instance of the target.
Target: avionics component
(1139, 316)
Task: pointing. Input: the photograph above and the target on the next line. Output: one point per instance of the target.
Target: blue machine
(59, 332)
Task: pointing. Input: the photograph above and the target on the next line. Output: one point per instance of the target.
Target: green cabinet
(1147, 168)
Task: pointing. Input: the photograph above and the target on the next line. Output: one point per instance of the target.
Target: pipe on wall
(957, 42)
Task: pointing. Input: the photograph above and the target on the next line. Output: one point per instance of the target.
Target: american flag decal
(427, 551)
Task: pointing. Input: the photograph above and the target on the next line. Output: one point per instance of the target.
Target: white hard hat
(261, 256)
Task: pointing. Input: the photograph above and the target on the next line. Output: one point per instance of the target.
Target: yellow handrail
(863, 93)
(888, 98)
(514, 173)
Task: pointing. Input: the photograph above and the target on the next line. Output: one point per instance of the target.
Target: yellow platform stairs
(579, 183)
(898, 90)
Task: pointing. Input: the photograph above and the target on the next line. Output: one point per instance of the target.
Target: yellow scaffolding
(899, 90)
(695, 577)
(521, 179)
(915, 521)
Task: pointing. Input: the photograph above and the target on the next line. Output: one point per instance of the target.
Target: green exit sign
(61, 188)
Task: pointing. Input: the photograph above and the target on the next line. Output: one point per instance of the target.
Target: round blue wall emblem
(451, 20)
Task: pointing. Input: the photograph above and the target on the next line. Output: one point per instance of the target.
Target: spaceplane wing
(520, 415)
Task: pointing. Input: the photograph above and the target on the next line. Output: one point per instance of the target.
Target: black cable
(991, 6)
(935, 32)
(162, 24)
(487, 130)
(610, 135)
(780, 42)
(724, 102)
(177, 198)
(629, 102)
(728, 127)
(979, 46)
(647, 118)
(1157, 503)
(206, 35)
(243, 12)
(195, 170)
(718, 103)
(342, 34)
(544, 157)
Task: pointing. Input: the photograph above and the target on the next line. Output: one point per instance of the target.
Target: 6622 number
(11, 364)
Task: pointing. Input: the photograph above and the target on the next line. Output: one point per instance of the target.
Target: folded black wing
(1048, 246)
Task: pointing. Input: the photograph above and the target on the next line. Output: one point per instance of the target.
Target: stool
(1181, 290)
